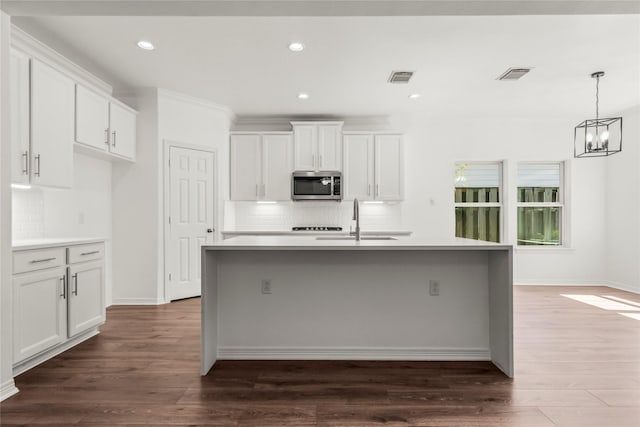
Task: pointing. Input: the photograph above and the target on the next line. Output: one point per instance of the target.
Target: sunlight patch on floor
(603, 303)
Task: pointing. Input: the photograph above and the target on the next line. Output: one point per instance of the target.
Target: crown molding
(34, 48)
(198, 101)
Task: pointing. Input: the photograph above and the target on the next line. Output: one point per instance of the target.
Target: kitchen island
(307, 298)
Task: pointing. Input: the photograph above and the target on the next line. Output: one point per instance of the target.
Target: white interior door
(191, 218)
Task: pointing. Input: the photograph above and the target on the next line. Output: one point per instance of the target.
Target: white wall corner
(7, 387)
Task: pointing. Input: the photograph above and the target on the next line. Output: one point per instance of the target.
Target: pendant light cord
(597, 96)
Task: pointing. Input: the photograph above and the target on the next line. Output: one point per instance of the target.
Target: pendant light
(598, 137)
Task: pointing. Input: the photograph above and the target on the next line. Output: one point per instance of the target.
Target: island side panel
(501, 309)
(209, 306)
(353, 305)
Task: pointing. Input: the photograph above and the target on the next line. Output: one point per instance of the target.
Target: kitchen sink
(353, 238)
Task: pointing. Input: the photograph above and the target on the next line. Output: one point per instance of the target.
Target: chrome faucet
(356, 218)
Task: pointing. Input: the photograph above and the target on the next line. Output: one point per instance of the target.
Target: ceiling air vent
(514, 73)
(397, 77)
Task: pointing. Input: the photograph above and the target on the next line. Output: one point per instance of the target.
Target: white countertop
(315, 233)
(311, 243)
(19, 245)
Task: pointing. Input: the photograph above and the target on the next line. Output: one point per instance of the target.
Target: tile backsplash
(28, 214)
(246, 216)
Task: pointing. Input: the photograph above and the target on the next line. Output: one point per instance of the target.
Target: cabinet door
(92, 119)
(245, 167)
(329, 148)
(86, 296)
(388, 167)
(305, 147)
(358, 167)
(277, 167)
(39, 312)
(19, 113)
(52, 111)
(123, 131)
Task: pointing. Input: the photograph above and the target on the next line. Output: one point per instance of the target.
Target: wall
(7, 387)
(138, 189)
(623, 207)
(81, 211)
(433, 145)
(135, 213)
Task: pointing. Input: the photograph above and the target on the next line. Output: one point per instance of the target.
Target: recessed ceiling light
(303, 96)
(143, 44)
(296, 47)
(414, 96)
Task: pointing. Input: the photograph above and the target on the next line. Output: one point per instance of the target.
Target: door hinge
(169, 276)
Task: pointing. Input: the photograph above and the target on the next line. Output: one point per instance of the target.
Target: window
(540, 204)
(478, 201)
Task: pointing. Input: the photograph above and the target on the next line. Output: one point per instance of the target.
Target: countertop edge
(23, 245)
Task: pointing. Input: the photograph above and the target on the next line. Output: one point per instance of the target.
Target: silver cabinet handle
(313, 161)
(25, 156)
(257, 191)
(75, 284)
(377, 189)
(113, 142)
(37, 171)
(369, 190)
(35, 261)
(89, 253)
(63, 279)
(106, 136)
(320, 161)
(264, 190)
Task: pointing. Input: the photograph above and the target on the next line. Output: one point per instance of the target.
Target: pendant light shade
(598, 137)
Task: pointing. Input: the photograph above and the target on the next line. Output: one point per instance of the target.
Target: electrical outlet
(434, 288)
(266, 286)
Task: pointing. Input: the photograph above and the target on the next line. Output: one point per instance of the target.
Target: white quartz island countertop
(304, 297)
(343, 243)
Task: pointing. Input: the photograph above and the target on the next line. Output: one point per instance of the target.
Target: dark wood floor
(576, 365)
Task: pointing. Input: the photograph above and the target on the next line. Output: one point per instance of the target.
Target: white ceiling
(244, 63)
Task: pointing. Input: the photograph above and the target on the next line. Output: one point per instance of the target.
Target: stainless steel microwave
(310, 185)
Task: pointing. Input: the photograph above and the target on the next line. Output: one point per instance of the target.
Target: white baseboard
(33, 361)
(552, 282)
(615, 285)
(7, 389)
(353, 353)
(624, 287)
(138, 301)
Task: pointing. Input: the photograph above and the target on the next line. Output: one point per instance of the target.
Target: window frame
(561, 203)
(501, 197)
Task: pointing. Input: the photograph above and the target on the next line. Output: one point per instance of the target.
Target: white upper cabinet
(261, 166)
(317, 145)
(92, 119)
(276, 166)
(104, 124)
(388, 167)
(358, 167)
(122, 130)
(19, 113)
(246, 166)
(373, 166)
(52, 133)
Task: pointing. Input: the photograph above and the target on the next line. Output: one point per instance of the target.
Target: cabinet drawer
(82, 253)
(39, 259)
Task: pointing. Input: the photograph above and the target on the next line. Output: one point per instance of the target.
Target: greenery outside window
(540, 204)
(478, 200)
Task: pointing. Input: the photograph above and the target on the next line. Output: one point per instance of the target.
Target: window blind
(477, 175)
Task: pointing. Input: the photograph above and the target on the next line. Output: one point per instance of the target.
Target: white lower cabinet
(39, 311)
(58, 294)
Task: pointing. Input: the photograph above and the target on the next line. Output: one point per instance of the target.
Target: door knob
(209, 230)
